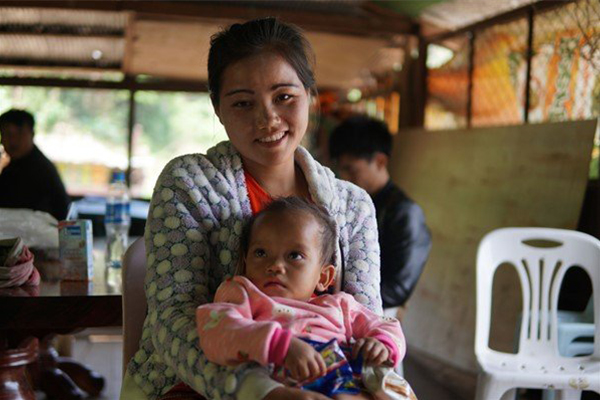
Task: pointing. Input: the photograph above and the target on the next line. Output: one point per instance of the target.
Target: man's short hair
(360, 136)
(20, 118)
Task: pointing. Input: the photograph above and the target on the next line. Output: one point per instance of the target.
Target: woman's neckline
(299, 188)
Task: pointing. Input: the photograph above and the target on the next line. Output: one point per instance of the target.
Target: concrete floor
(419, 377)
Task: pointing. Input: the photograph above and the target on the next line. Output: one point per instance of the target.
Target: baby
(280, 296)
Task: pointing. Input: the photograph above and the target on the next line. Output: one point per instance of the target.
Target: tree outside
(84, 132)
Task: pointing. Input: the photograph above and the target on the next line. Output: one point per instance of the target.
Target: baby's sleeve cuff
(278, 348)
(392, 347)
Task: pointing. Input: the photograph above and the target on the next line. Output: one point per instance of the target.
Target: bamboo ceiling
(352, 38)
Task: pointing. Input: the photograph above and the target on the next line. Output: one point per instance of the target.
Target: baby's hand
(303, 361)
(373, 351)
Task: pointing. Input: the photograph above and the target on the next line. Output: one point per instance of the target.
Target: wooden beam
(61, 30)
(126, 84)
(61, 83)
(169, 85)
(376, 9)
(7, 62)
(359, 23)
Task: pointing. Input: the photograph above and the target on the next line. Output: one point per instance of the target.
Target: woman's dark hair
(254, 37)
(298, 205)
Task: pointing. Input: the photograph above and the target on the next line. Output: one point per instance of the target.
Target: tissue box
(75, 248)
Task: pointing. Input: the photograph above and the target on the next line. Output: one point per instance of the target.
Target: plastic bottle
(117, 221)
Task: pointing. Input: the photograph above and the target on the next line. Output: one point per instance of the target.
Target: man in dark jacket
(361, 147)
(30, 180)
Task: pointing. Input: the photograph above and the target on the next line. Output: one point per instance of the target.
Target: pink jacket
(244, 324)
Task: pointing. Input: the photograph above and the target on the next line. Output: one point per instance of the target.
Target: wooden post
(130, 125)
(420, 83)
(413, 84)
(529, 53)
(471, 36)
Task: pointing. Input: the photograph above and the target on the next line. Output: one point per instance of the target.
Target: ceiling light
(438, 56)
(97, 54)
(354, 95)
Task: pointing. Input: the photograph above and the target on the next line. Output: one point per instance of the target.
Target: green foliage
(168, 124)
(173, 120)
(595, 167)
(101, 113)
(167, 118)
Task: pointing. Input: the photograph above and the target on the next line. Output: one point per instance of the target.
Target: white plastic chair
(538, 364)
(573, 326)
(575, 336)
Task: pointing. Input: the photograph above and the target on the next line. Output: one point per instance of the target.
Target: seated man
(29, 180)
(361, 146)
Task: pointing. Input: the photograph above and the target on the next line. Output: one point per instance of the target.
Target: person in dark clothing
(30, 180)
(361, 147)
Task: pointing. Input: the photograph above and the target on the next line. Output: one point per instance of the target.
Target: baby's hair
(298, 205)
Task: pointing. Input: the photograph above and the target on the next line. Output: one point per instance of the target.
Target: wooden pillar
(471, 67)
(413, 84)
(526, 104)
(130, 125)
(420, 83)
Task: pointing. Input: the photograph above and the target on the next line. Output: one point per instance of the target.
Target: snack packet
(338, 378)
(386, 384)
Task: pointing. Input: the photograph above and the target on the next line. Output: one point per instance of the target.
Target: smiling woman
(265, 115)
(261, 81)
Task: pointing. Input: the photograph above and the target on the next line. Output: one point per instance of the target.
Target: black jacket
(405, 242)
(33, 182)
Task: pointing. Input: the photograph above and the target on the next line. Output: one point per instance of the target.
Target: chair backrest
(134, 298)
(541, 271)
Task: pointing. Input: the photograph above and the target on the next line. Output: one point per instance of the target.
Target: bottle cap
(118, 176)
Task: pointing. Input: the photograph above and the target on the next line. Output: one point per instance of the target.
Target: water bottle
(117, 221)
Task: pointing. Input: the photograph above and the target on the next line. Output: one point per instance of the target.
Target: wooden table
(55, 307)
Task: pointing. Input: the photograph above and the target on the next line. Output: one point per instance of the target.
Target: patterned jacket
(198, 209)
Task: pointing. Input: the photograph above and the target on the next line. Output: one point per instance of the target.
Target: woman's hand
(288, 393)
(303, 361)
(373, 351)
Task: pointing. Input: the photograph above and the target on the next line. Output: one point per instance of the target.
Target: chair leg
(490, 389)
(548, 395)
(568, 395)
(510, 394)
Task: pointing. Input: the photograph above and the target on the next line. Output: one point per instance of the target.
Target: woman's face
(264, 108)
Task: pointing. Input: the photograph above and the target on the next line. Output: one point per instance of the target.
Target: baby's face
(284, 255)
